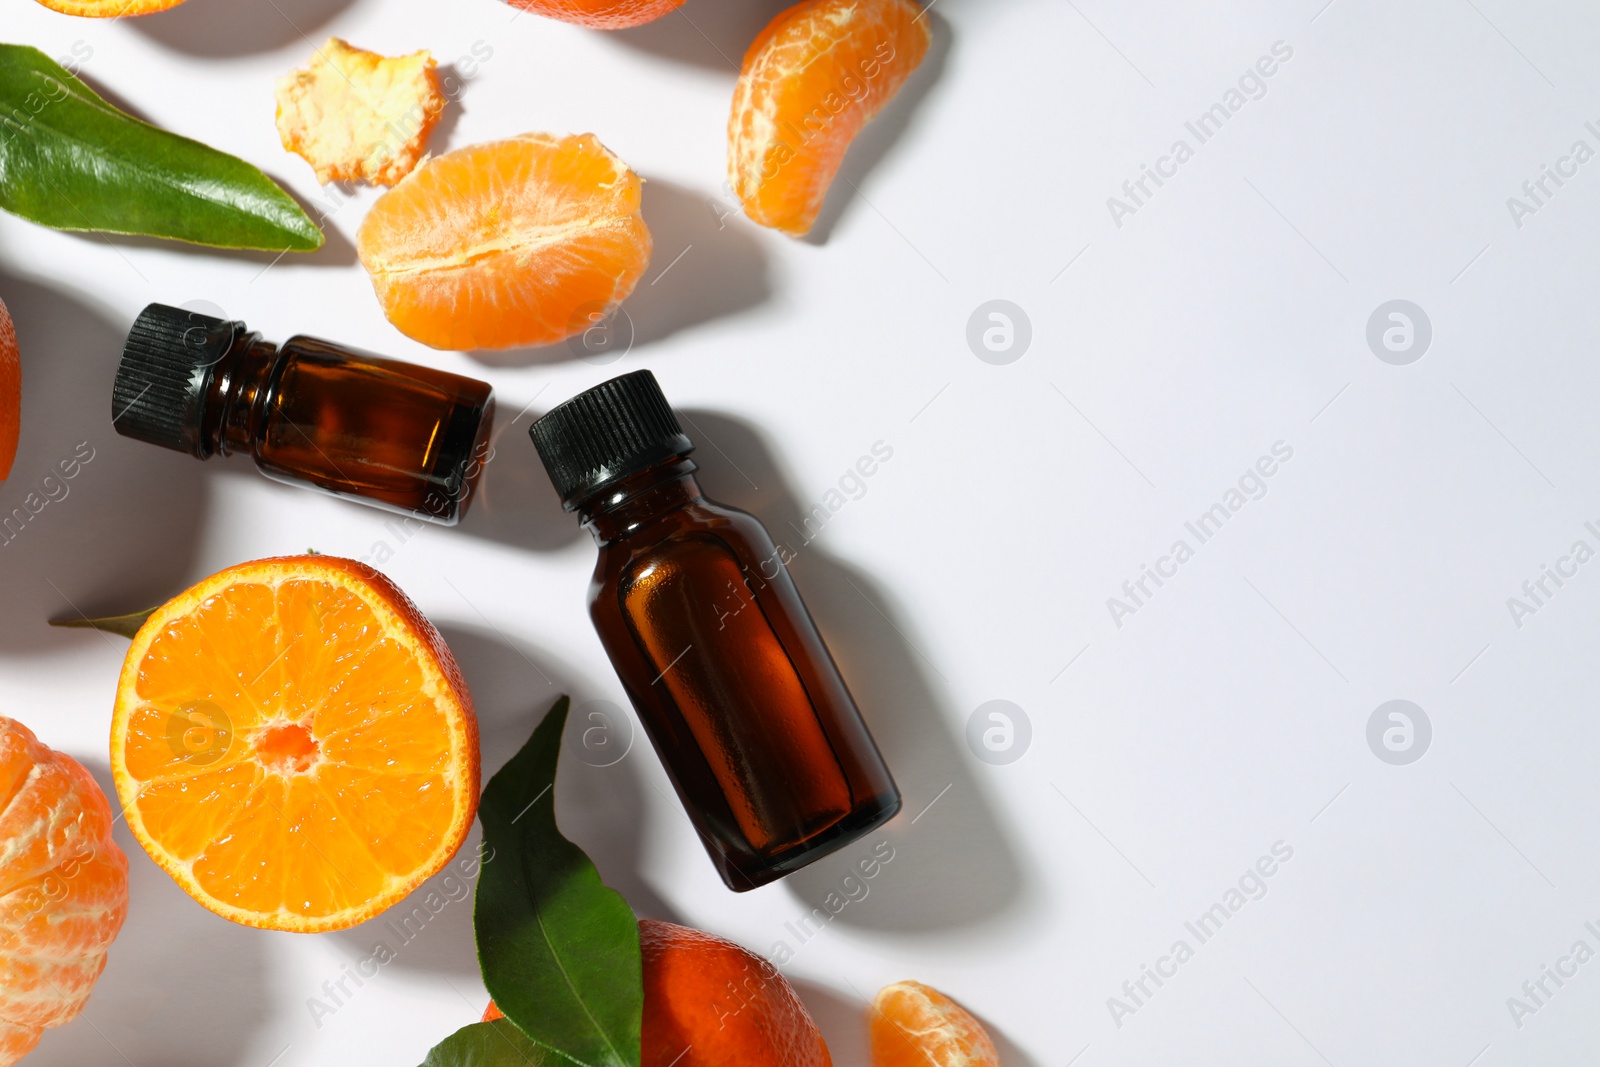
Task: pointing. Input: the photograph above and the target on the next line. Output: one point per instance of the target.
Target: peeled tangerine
(357, 116)
(507, 244)
(914, 1025)
(811, 81)
(63, 888)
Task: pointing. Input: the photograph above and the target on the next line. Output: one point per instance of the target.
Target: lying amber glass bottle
(712, 643)
(394, 435)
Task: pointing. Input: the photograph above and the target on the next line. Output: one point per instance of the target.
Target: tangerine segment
(601, 14)
(109, 9)
(10, 393)
(914, 1025)
(294, 744)
(507, 244)
(811, 81)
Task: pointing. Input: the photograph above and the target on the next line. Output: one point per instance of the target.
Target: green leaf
(559, 951)
(126, 625)
(496, 1044)
(72, 161)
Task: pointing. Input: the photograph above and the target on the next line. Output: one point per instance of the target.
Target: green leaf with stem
(559, 950)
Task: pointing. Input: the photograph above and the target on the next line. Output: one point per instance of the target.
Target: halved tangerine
(294, 744)
(813, 78)
(507, 244)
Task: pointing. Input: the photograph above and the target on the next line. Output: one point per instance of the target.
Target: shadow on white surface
(880, 136)
(218, 30)
(182, 987)
(705, 265)
(956, 866)
(515, 502)
(601, 808)
(841, 1017)
(711, 34)
(119, 535)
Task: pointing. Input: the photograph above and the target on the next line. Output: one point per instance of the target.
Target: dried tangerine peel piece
(10, 393)
(601, 14)
(813, 78)
(293, 743)
(507, 244)
(109, 9)
(355, 115)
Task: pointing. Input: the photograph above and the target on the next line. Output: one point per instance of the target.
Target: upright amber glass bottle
(712, 643)
(394, 435)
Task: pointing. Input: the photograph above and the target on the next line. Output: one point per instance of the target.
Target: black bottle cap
(616, 429)
(167, 366)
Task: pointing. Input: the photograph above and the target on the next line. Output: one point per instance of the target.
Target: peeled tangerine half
(811, 81)
(507, 244)
(63, 888)
(293, 743)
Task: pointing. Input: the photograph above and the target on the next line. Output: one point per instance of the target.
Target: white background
(1227, 314)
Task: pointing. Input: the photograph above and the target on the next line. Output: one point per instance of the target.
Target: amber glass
(406, 438)
(730, 677)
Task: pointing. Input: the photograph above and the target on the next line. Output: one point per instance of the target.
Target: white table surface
(1224, 315)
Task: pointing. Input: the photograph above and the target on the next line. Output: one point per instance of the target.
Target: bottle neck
(236, 399)
(625, 506)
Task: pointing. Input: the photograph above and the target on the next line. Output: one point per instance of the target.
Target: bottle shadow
(225, 31)
(705, 266)
(953, 863)
(514, 503)
(90, 522)
(884, 132)
(181, 986)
